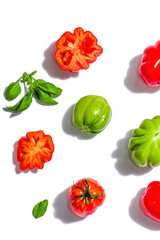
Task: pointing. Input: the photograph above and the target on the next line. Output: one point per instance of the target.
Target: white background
(29, 30)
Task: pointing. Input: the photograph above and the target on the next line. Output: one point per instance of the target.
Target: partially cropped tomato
(150, 65)
(76, 50)
(86, 196)
(150, 200)
(145, 143)
(34, 150)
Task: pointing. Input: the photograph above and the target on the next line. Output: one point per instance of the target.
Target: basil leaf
(13, 91)
(26, 101)
(40, 81)
(23, 104)
(40, 208)
(44, 97)
(14, 108)
(51, 89)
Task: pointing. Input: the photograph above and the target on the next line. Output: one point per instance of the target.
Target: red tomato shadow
(133, 81)
(62, 210)
(52, 67)
(137, 214)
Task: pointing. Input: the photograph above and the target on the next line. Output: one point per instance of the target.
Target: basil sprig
(42, 90)
(40, 208)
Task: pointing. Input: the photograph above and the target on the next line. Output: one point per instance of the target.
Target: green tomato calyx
(86, 194)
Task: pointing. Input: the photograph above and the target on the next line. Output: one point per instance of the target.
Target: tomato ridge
(86, 194)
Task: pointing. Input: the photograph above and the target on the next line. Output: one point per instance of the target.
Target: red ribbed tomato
(86, 196)
(151, 200)
(34, 150)
(150, 65)
(77, 50)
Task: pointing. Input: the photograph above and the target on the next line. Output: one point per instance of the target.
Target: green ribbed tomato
(145, 143)
(92, 114)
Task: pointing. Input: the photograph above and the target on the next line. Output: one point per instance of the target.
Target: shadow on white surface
(70, 129)
(124, 164)
(12, 114)
(62, 210)
(137, 214)
(133, 81)
(16, 163)
(52, 67)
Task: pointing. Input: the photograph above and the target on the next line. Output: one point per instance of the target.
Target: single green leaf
(44, 97)
(14, 108)
(51, 89)
(40, 208)
(13, 91)
(26, 101)
(23, 104)
(40, 81)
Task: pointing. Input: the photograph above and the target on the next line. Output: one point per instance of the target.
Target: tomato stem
(77, 197)
(87, 201)
(86, 194)
(80, 188)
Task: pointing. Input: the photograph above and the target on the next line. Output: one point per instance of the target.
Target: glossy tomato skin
(150, 200)
(92, 114)
(81, 206)
(145, 143)
(149, 69)
(34, 150)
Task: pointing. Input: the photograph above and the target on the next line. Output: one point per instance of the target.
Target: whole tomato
(150, 200)
(86, 196)
(92, 114)
(149, 69)
(145, 143)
